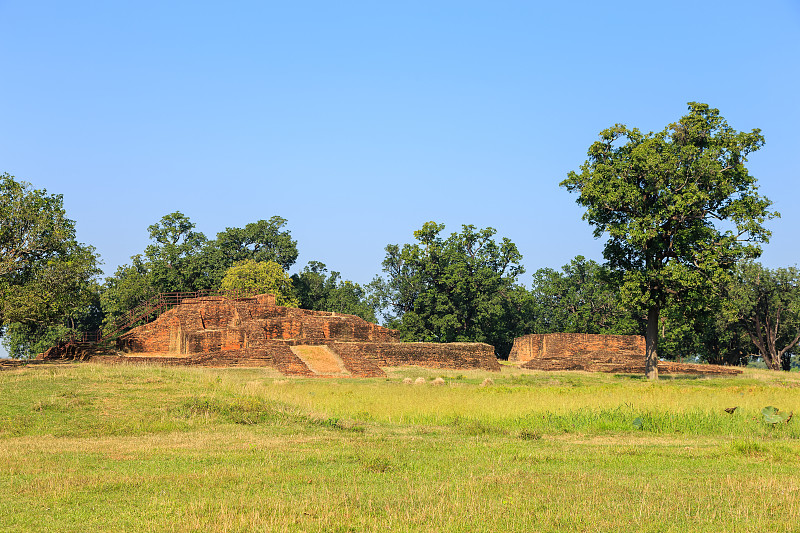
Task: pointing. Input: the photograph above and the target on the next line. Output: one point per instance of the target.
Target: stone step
(320, 360)
(361, 367)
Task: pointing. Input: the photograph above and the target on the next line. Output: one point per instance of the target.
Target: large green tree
(175, 255)
(678, 206)
(459, 288)
(172, 262)
(46, 276)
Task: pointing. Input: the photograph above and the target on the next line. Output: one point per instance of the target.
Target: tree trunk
(765, 337)
(651, 344)
(771, 358)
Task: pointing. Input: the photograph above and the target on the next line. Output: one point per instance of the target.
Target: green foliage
(768, 306)
(703, 328)
(773, 415)
(583, 298)
(659, 196)
(172, 262)
(127, 288)
(321, 292)
(265, 240)
(181, 259)
(26, 340)
(174, 258)
(34, 226)
(252, 277)
(723, 342)
(246, 411)
(455, 289)
(46, 276)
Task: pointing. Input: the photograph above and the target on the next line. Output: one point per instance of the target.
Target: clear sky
(360, 121)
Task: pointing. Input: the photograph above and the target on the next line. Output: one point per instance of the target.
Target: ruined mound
(220, 331)
(624, 354)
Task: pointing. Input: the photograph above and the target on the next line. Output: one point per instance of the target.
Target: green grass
(109, 448)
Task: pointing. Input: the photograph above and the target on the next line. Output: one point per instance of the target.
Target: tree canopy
(681, 213)
(46, 276)
(678, 206)
(182, 259)
(260, 277)
(768, 306)
(264, 240)
(582, 298)
(175, 255)
(454, 289)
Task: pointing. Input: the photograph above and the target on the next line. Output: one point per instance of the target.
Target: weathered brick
(596, 353)
(218, 331)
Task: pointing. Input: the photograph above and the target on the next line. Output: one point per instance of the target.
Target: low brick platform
(622, 354)
(453, 356)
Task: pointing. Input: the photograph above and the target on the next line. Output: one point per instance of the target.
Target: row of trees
(461, 287)
(755, 312)
(671, 273)
(466, 287)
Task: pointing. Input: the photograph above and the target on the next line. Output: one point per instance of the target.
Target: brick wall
(456, 355)
(596, 353)
(575, 345)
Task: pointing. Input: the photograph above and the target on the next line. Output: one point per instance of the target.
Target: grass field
(87, 447)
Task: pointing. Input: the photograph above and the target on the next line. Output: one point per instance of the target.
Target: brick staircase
(358, 366)
(321, 360)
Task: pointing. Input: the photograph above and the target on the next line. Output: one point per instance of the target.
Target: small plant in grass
(245, 411)
(523, 380)
(529, 434)
(749, 448)
(377, 465)
(472, 426)
(333, 422)
(773, 415)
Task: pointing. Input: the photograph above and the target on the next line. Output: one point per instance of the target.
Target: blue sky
(360, 121)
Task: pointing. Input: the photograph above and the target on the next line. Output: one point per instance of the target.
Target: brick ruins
(218, 331)
(596, 353)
